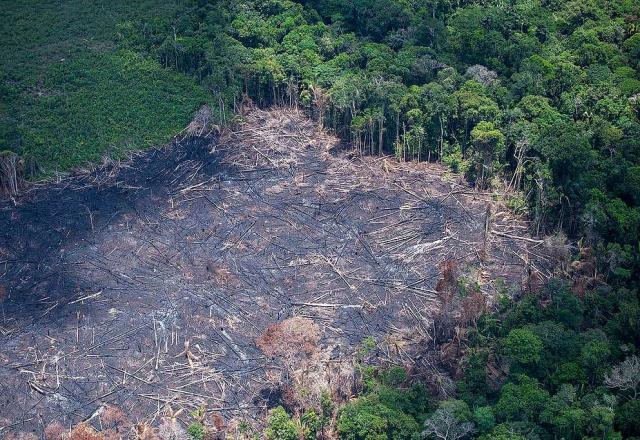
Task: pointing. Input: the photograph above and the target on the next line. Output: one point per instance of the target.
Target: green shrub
(503, 432)
(280, 426)
(365, 418)
(456, 162)
(311, 424)
(196, 431)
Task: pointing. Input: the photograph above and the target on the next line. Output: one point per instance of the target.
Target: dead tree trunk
(380, 135)
(10, 172)
(485, 233)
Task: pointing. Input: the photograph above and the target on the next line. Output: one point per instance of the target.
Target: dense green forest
(536, 100)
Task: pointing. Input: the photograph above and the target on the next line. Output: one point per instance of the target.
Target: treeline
(540, 97)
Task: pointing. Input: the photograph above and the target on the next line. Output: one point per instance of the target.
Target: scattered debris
(218, 270)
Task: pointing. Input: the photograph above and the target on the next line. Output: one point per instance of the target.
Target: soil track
(145, 284)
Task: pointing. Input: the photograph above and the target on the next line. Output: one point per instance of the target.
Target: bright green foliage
(310, 424)
(384, 411)
(361, 420)
(105, 105)
(280, 426)
(503, 432)
(522, 346)
(67, 98)
(196, 431)
(368, 419)
(489, 147)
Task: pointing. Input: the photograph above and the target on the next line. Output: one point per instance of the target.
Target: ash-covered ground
(233, 272)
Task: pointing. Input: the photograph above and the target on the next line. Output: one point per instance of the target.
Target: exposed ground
(233, 272)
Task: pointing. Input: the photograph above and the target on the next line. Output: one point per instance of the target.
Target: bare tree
(10, 172)
(443, 424)
(625, 376)
(321, 99)
(481, 74)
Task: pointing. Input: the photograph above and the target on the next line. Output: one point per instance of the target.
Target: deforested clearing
(240, 271)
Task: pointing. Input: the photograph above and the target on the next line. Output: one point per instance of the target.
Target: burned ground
(233, 272)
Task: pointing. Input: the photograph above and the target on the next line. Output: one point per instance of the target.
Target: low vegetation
(70, 98)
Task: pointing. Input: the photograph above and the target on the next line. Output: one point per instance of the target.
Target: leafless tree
(625, 376)
(444, 425)
(481, 74)
(10, 174)
(321, 100)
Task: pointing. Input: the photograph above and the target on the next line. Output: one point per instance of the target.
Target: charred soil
(233, 272)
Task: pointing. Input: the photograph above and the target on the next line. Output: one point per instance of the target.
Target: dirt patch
(289, 338)
(146, 283)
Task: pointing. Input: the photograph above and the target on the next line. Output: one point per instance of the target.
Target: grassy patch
(105, 104)
(68, 97)
(37, 33)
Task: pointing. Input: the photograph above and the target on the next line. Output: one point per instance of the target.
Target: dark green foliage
(503, 431)
(565, 308)
(627, 418)
(473, 387)
(595, 353)
(484, 419)
(521, 401)
(559, 344)
(555, 356)
(526, 311)
(568, 372)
